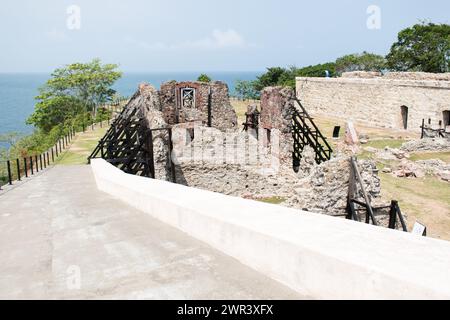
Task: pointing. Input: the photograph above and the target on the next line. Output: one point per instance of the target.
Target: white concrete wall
(314, 254)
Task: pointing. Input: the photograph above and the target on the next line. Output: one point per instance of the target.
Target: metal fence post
(37, 163)
(25, 167)
(8, 164)
(18, 169)
(53, 156)
(31, 165)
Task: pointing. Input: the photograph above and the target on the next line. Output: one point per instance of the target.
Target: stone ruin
(210, 151)
(207, 104)
(396, 100)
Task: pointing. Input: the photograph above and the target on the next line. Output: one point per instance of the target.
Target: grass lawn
(425, 200)
(241, 108)
(383, 143)
(444, 156)
(82, 147)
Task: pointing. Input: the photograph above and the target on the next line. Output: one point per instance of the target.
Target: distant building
(395, 100)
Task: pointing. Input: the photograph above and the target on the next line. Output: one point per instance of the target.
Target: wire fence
(15, 170)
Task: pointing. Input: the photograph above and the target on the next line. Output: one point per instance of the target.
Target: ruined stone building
(192, 138)
(187, 133)
(395, 100)
(202, 103)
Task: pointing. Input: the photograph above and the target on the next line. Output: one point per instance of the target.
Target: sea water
(18, 91)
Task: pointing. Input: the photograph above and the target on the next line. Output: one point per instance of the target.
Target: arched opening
(446, 118)
(404, 112)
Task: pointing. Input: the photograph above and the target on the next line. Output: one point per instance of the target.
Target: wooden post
(366, 198)
(423, 128)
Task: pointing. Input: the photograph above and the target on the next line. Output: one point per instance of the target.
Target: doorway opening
(404, 112)
(446, 118)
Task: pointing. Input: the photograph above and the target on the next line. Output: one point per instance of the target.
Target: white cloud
(217, 40)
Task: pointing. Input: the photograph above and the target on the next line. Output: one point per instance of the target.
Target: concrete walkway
(62, 238)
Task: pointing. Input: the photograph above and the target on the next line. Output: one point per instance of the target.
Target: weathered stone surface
(445, 175)
(351, 136)
(308, 162)
(371, 149)
(378, 101)
(409, 169)
(325, 190)
(435, 167)
(215, 93)
(387, 170)
(146, 99)
(276, 104)
(418, 76)
(426, 145)
(276, 107)
(361, 74)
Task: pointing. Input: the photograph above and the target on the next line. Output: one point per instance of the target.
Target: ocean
(17, 91)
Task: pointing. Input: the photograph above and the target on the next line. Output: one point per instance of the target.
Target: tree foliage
(204, 78)
(71, 90)
(277, 76)
(246, 90)
(422, 47)
(360, 62)
(270, 78)
(319, 70)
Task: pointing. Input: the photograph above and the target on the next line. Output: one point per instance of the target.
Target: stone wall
(378, 101)
(276, 106)
(146, 100)
(214, 94)
(223, 162)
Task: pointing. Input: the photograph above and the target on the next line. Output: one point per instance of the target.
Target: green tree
(422, 47)
(360, 62)
(246, 90)
(270, 78)
(287, 79)
(71, 90)
(204, 78)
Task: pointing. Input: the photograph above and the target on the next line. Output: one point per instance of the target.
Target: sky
(206, 35)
